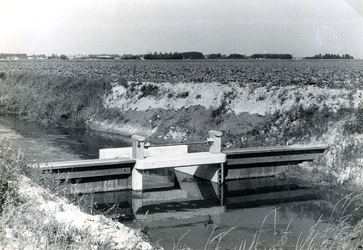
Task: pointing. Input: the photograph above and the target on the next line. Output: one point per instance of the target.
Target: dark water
(42, 144)
(178, 210)
(193, 212)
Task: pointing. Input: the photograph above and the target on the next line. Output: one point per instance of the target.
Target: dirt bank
(178, 125)
(186, 111)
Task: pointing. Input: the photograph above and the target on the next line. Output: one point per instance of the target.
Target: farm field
(326, 73)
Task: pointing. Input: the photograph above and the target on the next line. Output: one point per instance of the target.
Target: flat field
(324, 73)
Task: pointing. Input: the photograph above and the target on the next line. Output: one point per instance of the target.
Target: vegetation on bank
(53, 100)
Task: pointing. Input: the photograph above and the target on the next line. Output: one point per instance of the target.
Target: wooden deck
(245, 157)
(89, 168)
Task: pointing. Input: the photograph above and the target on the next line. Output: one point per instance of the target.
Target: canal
(178, 211)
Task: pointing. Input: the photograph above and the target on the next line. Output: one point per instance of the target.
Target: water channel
(179, 210)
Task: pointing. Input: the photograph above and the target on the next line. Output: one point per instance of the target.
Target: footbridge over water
(123, 168)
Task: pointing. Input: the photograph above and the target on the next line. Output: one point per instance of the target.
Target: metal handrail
(207, 142)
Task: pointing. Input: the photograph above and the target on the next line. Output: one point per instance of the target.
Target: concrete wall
(148, 152)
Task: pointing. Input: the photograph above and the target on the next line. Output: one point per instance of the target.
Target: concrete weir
(123, 168)
(206, 165)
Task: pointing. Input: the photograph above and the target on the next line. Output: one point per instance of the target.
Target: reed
(332, 232)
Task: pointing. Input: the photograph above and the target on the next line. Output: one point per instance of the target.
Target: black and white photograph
(181, 124)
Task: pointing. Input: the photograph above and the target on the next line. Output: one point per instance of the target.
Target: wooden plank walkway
(88, 168)
(273, 155)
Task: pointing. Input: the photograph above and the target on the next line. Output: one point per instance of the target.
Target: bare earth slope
(184, 111)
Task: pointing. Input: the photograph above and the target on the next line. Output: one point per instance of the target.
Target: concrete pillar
(216, 145)
(137, 201)
(138, 144)
(137, 180)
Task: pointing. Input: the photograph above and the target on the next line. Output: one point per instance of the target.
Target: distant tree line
(130, 57)
(330, 56)
(174, 56)
(236, 56)
(55, 56)
(271, 56)
(221, 56)
(171, 56)
(216, 56)
(103, 56)
(190, 55)
(199, 55)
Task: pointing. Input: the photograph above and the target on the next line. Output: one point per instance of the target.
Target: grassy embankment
(52, 99)
(300, 114)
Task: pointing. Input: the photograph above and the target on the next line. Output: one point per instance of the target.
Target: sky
(298, 27)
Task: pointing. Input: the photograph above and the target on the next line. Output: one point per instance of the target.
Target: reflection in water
(202, 208)
(43, 144)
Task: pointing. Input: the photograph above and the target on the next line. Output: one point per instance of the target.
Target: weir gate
(123, 168)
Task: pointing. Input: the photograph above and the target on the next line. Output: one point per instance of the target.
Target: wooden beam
(91, 173)
(272, 159)
(277, 149)
(85, 163)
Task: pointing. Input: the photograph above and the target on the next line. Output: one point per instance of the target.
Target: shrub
(12, 164)
(227, 97)
(133, 89)
(183, 95)
(359, 117)
(123, 82)
(149, 90)
(261, 98)
(220, 110)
